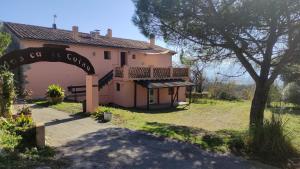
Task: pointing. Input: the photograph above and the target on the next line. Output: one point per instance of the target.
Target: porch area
(154, 88)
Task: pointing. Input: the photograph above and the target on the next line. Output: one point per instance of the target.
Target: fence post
(92, 93)
(40, 135)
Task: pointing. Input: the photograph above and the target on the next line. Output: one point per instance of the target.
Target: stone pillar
(92, 93)
(40, 135)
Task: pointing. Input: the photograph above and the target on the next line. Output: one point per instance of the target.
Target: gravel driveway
(91, 145)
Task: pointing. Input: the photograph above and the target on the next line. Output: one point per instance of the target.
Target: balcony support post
(190, 94)
(158, 102)
(135, 86)
(147, 98)
(177, 94)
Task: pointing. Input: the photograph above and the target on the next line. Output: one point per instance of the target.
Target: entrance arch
(21, 57)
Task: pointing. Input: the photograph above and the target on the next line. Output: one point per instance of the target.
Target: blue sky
(88, 15)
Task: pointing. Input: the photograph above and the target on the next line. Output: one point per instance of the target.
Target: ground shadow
(122, 148)
(151, 111)
(73, 117)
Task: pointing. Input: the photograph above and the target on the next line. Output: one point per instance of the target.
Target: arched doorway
(21, 57)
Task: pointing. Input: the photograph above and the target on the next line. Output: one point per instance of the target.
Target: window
(133, 56)
(171, 90)
(118, 86)
(107, 55)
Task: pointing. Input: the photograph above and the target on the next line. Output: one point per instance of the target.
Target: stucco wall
(125, 97)
(39, 75)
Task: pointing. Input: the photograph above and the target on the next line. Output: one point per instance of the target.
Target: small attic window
(107, 55)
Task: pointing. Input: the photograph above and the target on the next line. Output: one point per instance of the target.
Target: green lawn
(204, 116)
(69, 107)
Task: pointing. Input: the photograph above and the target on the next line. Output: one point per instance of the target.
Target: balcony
(144, 73)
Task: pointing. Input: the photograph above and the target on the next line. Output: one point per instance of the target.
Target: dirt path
(91, 145)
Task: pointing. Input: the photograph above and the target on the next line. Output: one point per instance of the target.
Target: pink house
(131, 73)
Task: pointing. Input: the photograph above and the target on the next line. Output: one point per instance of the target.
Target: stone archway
(21, 57)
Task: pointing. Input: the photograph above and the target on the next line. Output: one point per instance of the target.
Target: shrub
(25, 110)
(21, 130)
(291, 93)
(212, 139)
(7, 93)
(55, 94)
(270, 143)
(274, 95)
(213, 142)
(226, 96)
(99, 113)
(237, 144)
(24, 121)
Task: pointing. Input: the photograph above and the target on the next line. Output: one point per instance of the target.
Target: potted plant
(103, 114)
(55, 94)
(107, 114)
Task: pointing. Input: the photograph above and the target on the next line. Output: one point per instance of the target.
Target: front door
(123, 58)
(152, 96)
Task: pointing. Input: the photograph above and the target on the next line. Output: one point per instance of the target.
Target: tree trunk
(258, 105)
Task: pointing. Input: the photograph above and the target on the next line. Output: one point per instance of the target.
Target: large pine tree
(262, 35)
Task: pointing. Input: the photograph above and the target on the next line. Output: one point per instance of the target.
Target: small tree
(261, 35)
(291, 93)
(5, 40)
(197, 71)
(7, 93)
(274, 95)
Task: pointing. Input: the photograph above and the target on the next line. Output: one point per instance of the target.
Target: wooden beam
(135, 86)
(147, 98)
(158, 101)
(190, 94)
(177, 94)
(172, 98)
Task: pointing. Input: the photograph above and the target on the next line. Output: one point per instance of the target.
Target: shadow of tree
(151, 111)
(72, 117)
(122, 148)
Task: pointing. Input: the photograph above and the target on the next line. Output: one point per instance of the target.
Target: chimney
(75, 32)
(152, 40)
(109, 33)
(95, 34)
(54, 26)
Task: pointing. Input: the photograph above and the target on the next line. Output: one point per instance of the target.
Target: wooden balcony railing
(139, 73)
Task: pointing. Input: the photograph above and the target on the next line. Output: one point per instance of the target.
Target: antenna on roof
(54, 19)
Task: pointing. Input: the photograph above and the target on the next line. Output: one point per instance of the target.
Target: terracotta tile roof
(24, 31)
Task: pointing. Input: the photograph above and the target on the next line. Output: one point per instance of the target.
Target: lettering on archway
(17, 58)
(21, 57)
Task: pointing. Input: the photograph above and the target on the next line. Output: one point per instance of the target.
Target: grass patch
(219, 141)
(69, 107)
(208, 114)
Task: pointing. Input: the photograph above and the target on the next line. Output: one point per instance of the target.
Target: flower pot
(107, 116)
(55, 100)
